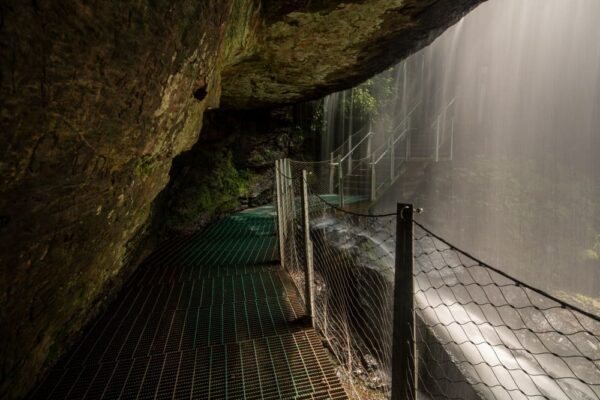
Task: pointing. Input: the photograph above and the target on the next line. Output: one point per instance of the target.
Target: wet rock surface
(96, 101)
(308, 49)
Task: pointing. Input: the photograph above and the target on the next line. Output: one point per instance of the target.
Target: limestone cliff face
(304, 52)
(96, 99)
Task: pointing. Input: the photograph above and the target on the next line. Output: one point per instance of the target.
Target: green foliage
(221, 188)
(143, 167)
(596, 246)
(593, 253)
(369, 99)
(209, 190)
(261, 156)
(363, 102)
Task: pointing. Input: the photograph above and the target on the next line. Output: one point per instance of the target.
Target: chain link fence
(476, 333)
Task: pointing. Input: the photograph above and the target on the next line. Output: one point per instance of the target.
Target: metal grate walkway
(211, 316)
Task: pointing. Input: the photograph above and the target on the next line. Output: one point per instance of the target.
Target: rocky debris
(370, 362)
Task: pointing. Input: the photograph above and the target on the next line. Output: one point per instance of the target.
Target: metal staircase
(369, 162)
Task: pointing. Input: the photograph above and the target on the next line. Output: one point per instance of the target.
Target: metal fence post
(280, 216)
(404, 385)
(331, 172)
(350, 151)
(282, 193)
(308, 253)
(290, 179)
(340, 184)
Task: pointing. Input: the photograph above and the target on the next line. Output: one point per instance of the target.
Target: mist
(503, 111)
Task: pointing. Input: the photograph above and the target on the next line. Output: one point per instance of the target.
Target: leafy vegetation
(212, 188)
(372, 99)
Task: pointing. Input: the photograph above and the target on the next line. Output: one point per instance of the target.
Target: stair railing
(378, 174)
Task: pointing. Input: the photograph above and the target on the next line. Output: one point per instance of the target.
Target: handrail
(369, 165)
(407, 115)
(365, 127)
(395, 129)
(358, 160)
(402, 135)
(444, 110)
(379, 159)
(378, 149)
(358, 144)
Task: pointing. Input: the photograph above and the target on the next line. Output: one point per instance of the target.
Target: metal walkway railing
(407, 314)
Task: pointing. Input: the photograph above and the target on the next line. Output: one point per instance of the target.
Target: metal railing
(364, 169)
(425, 317)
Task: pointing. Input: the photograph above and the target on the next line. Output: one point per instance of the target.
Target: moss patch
(208, 187)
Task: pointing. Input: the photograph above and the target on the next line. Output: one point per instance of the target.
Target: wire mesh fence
(353, 280)
(478, 333)
(500, 338)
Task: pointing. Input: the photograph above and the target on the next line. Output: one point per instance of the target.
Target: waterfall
(504, 138)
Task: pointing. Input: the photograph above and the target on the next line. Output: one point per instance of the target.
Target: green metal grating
(208, 316)
(290, 366)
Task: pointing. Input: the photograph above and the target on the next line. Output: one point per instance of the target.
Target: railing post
(404, 384)
(288, 169)
(340, 183)
(350, 150)
(283, 201)
(281, 189)
(308, 253)
(280, 216)
(331, 172)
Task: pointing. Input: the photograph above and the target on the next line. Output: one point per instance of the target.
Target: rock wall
(97, 98)
(96, 101)
(231, 165)
(308, 49)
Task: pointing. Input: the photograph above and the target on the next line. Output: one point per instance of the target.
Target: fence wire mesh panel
(485, 335)
(353, 278)
(480, 334)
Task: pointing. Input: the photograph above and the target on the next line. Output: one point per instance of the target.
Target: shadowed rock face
(96, 100)
(309, 51)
